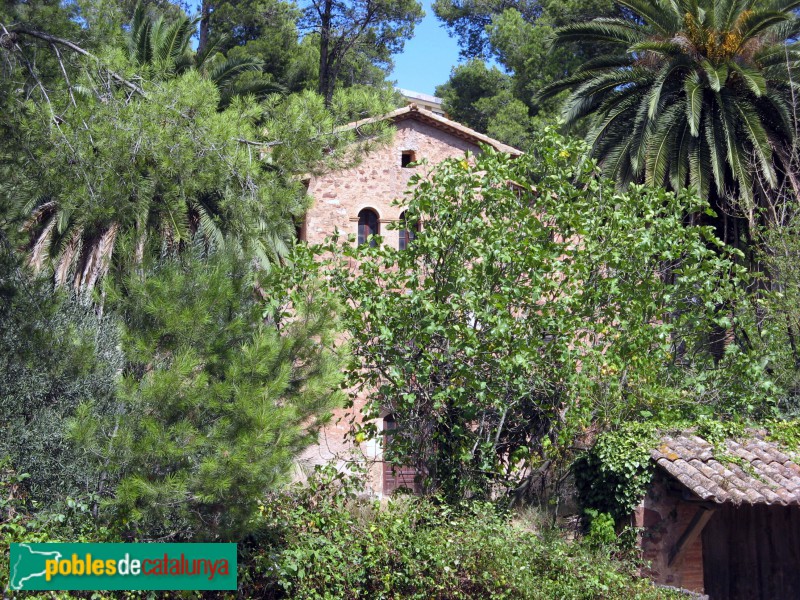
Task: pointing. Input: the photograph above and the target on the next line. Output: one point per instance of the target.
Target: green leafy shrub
(472, 335)
(55, 353)
(332, 544)
(25, 519)
(602, 528)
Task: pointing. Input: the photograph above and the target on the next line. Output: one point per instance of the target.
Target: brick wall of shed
(663, 516)
(338, 198)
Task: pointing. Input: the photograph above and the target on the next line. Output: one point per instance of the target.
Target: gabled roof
(412, 111)
(751, 470)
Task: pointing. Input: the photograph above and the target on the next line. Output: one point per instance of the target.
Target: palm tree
(692, 93)
(166, 47)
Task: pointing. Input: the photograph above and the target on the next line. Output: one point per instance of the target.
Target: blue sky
(427, 58)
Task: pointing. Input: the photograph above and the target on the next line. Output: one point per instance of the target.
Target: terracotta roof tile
(750, 470)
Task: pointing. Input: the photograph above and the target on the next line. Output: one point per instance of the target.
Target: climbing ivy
(612, 476)
(785, 433)
(715, 432)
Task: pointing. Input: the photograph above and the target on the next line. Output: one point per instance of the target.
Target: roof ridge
(442, 123)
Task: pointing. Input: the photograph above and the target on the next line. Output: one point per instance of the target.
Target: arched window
(408, 231)
(367, 226)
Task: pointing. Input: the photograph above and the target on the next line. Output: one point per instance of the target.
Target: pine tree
(216, 401)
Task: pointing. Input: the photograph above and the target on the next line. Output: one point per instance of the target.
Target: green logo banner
(122, 567)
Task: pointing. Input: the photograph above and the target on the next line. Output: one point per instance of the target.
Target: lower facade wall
(336, 446)
(662, 517)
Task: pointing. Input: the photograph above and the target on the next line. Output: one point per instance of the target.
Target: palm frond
(662, 142)
(174, 41)
(715, 140)
(208, 228)
(40, 250)
(601, 63)
(616, 164)
(676, 65)
(754, 130)
(727, 11)
(759, 21)
(693, 88)
(613, 31)
(257, 88)
(643, 129)
(614, 117)
(661, 47)
(210, 50)
(659, 15)
(225, 71)
(716, 74)
(784, 5)
(679, 162)
(142, 50)
(754, 79)
(778, 114)
(699, 168)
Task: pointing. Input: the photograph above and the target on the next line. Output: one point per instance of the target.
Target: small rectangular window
(407, 157)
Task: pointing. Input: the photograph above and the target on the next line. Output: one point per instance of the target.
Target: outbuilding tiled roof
(745, 471)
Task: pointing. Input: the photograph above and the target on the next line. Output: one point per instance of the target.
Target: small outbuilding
(723, 521)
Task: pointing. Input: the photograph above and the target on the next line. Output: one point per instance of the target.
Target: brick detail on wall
(663, 517)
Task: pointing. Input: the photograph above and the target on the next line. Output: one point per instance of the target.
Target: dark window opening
(408, 231)
(367, 226)
(408, 157)
(300, 231)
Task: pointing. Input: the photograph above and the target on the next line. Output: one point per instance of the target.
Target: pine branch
(8, 38)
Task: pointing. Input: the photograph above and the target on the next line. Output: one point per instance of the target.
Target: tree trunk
(325, 80)
(205, 13)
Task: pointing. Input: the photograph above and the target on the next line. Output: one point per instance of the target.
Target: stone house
(724, 521)
(359, 201)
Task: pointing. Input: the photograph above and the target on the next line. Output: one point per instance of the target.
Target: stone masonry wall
(377, 181)
(339, 197)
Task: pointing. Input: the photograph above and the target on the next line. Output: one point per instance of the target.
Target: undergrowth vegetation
(322, 541)
(335, 545)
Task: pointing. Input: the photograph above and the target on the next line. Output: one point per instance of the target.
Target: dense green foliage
(116, 180)
(323, 542)
(612, 477)
(523, 270)
(468, 21)
(516, 35)
(778, 299)
(336, 546)
(168, 351)
(214, 402)
(371, 29)
(181, 364)
(56, 353)
(693, 94)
